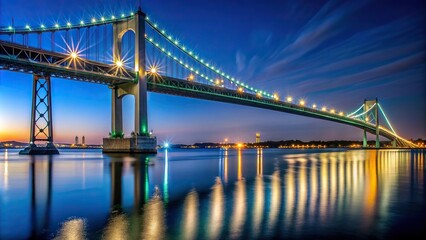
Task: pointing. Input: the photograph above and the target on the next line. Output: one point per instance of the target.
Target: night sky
(333, 53)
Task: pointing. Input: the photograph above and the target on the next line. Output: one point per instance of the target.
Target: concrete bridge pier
(141, 141)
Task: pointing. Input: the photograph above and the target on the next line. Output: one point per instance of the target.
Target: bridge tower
(375, 112)
(41, 129)
(141, 141)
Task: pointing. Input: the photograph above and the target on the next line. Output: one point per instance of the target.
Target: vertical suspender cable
(67, 39)
(13, 26)
(88, 42)
(52, 41)
(39, 40)
(78, 37)
(173, 63)
(97, 43)
(104, 41)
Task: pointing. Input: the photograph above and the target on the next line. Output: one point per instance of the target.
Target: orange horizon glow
(15, 135)
(23, 135)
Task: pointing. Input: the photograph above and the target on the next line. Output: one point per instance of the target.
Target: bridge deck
(15, 57)
(173, 86)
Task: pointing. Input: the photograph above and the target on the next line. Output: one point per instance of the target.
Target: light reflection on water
(72, 230)
(153, 219)
(116, 228)
(259, 198)
(190, 216)
(216, 214)
(254, 193)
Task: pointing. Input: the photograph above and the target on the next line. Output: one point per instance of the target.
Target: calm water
(211, 194)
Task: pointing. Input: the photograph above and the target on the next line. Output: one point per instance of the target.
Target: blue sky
(334, 53)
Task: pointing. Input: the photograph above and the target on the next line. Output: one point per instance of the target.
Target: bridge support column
(141, 98)
(41, 129)
(394, 143)
(364, 140)
(376, 113)
(141, 141)
(116, 114)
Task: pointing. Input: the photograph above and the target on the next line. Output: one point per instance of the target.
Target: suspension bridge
(131, 54)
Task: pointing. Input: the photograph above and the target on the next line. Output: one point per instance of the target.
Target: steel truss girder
(41, 112)
(15, 57)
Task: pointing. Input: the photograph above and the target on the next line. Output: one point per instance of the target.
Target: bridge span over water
(155, 61)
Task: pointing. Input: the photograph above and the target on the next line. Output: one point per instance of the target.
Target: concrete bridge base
(134, 144)
(33, 149)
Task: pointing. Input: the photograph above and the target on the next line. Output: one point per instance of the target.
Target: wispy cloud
(331, 54)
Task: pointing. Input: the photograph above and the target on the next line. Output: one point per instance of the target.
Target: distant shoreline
(236, 148)
(287, 144)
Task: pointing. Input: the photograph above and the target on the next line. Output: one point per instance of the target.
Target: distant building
(76, 140)
(257, 137)
(83, 140)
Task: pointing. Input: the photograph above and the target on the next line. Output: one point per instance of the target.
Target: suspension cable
(178, 60)
(364, 112)
(386, 118)
(201, 61)
(349, 115)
